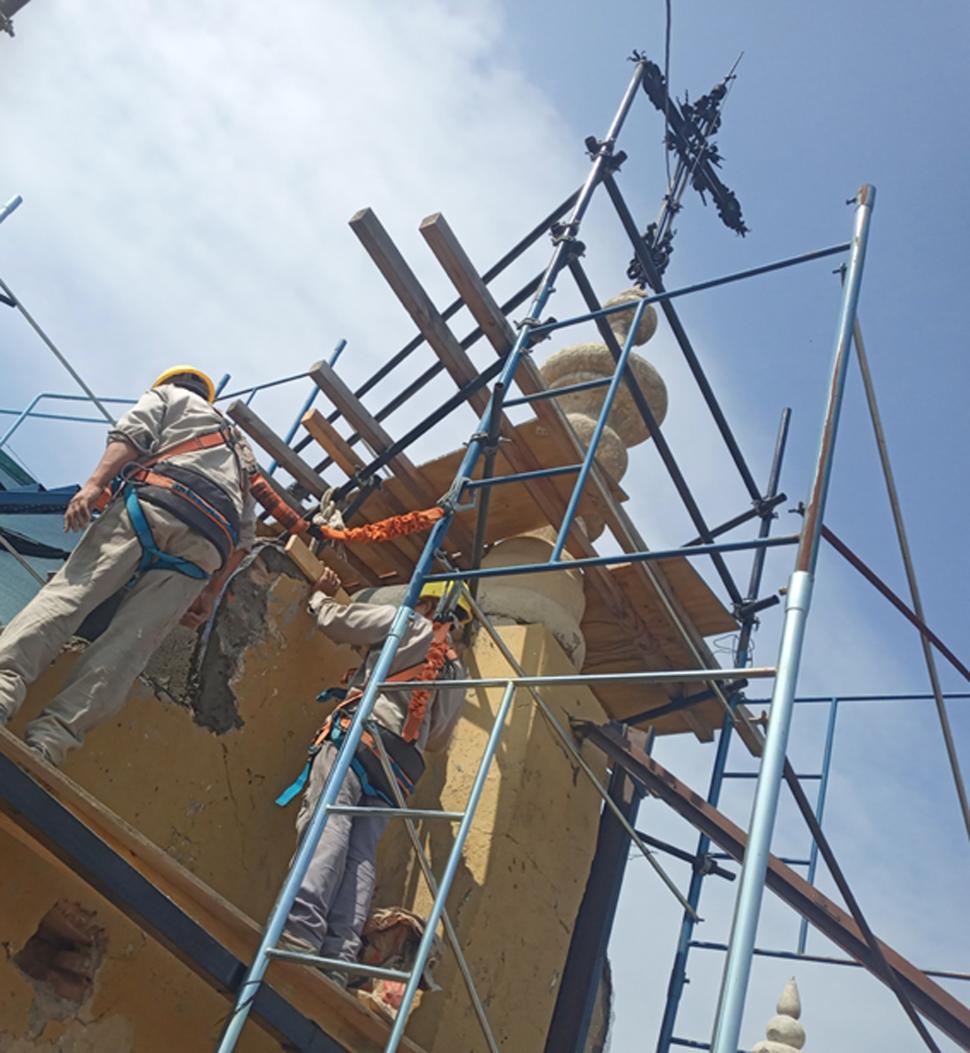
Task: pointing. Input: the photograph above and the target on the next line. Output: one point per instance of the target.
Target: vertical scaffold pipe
(348, 747)
(737, 967)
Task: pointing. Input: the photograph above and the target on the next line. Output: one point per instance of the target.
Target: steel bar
(488, 468)
(941, 974)
(754, 775)
(653, 426)
(448, 877)
(450, 934)
(914, 697)
(394, 813)
(566, 741)
(436, 367)
(556, 393)
(880, 964)
(737, 967)
(592, 445)
(820, 809)
(337, 964)
(401, 621)
(676, 705)
(10, 207)
(38, 577)
(56, 353)
(911, 580)
(768, 505)
(521, 477)
(707, 864)
(680, 334)
(663, 297)
(938, 1005)
(870, 575)
(622, 557)
(662, 676)
(310, 399)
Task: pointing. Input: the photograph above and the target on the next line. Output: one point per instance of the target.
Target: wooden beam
(625, 747)
(465, 278)
(405, 285)
(368, 427)
(489, 316)
(260, 432)
(383, 503)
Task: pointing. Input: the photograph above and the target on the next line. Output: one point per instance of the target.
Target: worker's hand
(329, 582)
(78, 513)
(200, 611)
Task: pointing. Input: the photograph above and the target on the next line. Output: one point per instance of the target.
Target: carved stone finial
(784, 1034)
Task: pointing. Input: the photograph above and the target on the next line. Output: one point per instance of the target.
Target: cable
(667, 94)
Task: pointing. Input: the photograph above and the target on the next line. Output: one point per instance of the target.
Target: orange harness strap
(439, 653)
(199, 442)
(382, 530)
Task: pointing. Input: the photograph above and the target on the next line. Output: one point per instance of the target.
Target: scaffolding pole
(737, 968)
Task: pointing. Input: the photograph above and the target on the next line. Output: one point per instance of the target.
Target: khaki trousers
(102, 563)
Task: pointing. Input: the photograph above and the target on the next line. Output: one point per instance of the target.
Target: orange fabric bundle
(385, 529)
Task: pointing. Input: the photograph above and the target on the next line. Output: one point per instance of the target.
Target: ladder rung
(395, 813)
(555, 393)
(754, 775)
(337, 964)
(521, 477)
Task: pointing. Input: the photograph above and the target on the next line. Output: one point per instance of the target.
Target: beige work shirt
(169, 415)
(365, 626)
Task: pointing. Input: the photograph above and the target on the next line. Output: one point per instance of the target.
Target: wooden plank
(466, 279)
(260, 432)
(341, 1015)
(368, 427)
(405, 285)
(378, 505)
(626, 747)
(309, 565)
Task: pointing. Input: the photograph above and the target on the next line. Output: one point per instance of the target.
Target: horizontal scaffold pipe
(653, 676)
(623, 557)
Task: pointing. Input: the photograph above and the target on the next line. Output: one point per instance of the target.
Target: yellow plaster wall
(143, 1001)
(207, 799)
(526, 862)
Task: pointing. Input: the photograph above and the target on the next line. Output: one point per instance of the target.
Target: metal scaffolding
(488, 390)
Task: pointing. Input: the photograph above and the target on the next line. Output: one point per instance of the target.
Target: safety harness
(177, 490)
(407, 763)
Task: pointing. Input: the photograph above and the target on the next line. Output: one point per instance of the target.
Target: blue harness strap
(152, 557)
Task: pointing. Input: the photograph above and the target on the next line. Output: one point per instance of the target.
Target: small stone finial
(784, 1034)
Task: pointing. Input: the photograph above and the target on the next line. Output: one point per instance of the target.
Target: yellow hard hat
(434, 590)
(176, 371)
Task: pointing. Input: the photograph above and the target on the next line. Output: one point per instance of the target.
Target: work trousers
(335, 897)
(103, 562)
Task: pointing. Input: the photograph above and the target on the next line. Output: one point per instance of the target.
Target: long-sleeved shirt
(168, 415)
(365, 626)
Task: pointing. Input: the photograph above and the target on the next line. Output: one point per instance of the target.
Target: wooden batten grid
(664, 631)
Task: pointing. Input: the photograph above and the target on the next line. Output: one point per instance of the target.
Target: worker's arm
(118, 453)
(204, 604)
(446, 708)
(358, 624)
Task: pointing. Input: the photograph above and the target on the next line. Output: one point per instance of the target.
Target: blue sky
(187, 184)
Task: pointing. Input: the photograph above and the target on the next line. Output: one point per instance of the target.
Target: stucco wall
(194, 762)
(526, 861)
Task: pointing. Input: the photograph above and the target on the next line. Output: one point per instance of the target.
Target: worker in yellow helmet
(175, 523)
(333, 902)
